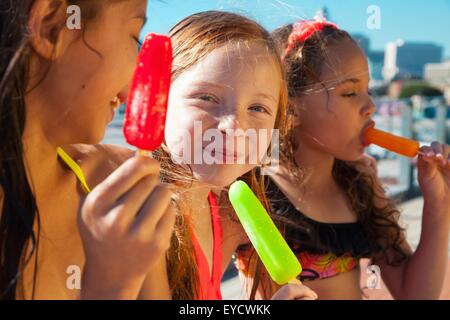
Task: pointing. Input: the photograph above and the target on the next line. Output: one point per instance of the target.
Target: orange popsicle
(400, 145)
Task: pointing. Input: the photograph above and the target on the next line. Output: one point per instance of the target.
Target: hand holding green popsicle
(279, 260)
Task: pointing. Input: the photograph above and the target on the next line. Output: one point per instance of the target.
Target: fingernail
(440, 156)
(430, 154)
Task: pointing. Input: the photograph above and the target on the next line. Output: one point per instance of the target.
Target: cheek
(122, 63)
(184, 126)
(267, 138)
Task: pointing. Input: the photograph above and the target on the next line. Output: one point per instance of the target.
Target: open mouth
(368, 125)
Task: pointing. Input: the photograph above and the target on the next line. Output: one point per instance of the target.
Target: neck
(40, 158)
(198, 194)
(317, 166)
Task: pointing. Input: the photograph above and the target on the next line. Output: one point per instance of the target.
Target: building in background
(376, 63)
(438, 74)
(404, 59)
(376, 58)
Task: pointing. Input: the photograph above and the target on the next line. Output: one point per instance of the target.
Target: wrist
(436, 209)
(100, 285)
(435, 218)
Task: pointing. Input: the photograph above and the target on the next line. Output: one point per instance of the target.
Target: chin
(214, 179)
(220, 176)
(351, 157)
(94, 137)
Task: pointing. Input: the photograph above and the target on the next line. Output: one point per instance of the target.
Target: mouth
(225, 154)
(116, 102)
(367, 126)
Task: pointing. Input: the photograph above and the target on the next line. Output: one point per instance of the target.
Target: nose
(228, 122)
(369, 108)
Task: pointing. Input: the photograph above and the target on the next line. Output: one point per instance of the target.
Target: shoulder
(98, 161)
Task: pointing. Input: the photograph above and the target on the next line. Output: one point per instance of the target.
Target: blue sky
(413, 20)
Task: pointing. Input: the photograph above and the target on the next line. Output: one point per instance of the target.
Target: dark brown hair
(19, 213)
(303, 65)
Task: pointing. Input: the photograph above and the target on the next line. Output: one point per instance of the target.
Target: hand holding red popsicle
(126, 221)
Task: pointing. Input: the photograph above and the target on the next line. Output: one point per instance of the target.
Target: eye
(207, 97)
(259, 109)
(349, 94)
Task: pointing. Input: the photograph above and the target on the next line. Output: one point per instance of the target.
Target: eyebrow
(268, 96)
(350, 80)
(219, 86)
(209, 84)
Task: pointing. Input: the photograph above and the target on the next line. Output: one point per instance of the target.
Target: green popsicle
(279, 260)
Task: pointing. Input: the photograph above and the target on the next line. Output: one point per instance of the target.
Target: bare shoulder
(98, 161)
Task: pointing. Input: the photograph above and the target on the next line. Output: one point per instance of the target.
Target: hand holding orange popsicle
(400, 145)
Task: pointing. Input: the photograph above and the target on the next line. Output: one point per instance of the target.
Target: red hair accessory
(304, 29)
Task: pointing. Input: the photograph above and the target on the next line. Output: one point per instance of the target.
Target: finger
(427, 151)
(152, 211)
(445, 150)
(441, 153)
(426, 158)
(307, 298)
(125, 177)
(130, 204)
(446, 154)
(448, 161)
(300, 291)
(437, 148)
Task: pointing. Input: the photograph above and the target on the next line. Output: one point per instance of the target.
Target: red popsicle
(145, 115)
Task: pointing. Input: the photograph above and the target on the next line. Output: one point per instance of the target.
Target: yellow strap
(74, 167)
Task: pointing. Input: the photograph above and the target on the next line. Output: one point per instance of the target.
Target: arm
(156, 283)
(422, 274)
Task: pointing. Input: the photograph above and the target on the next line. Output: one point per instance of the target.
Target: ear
(297, 104)
(47, 20)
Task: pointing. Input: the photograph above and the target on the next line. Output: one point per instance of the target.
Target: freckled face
(234, 87)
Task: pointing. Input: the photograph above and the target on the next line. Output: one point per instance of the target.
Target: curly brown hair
(377, 214)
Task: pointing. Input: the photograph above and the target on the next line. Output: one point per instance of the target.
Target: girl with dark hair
(59, 86)
(336, 211)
